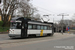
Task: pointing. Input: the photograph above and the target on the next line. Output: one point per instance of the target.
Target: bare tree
(9, 6)
(27, 9)
(37, 16)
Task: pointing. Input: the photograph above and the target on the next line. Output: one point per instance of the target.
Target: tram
(24, 27)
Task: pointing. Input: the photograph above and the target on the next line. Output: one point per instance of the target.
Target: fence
(4, 29)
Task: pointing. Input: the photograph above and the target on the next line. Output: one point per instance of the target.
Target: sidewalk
(61, 33)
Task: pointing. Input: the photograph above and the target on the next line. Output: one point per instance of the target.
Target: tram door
(24, 28)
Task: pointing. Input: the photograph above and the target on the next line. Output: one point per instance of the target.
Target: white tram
(22, 27)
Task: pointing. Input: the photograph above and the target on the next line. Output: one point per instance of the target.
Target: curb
(4, 32)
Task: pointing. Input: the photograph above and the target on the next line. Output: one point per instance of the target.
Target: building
(73, 25)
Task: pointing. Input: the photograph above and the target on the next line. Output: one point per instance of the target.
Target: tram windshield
(15, 25)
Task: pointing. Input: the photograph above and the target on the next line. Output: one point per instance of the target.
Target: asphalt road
(56, 42)
(4, 37)
(59, 44)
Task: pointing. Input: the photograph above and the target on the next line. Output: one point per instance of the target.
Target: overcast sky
(55, 7)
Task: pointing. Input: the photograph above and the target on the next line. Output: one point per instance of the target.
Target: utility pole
(62, 22)
(53, 20)
(62, 19)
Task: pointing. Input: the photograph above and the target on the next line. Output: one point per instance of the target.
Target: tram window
(48, 28)
(34, 26)
(29, 26)
(45, 27)
(41, 27)
(38, 27)
(15, 25)
(18, 26)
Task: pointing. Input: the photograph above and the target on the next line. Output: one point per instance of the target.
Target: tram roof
(22, 18)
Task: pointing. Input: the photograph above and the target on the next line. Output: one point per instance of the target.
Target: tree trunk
(6, 21)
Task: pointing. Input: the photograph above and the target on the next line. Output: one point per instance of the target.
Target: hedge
(1, 23)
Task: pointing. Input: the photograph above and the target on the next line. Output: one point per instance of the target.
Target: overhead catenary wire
(45, 9)
(43, 12)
